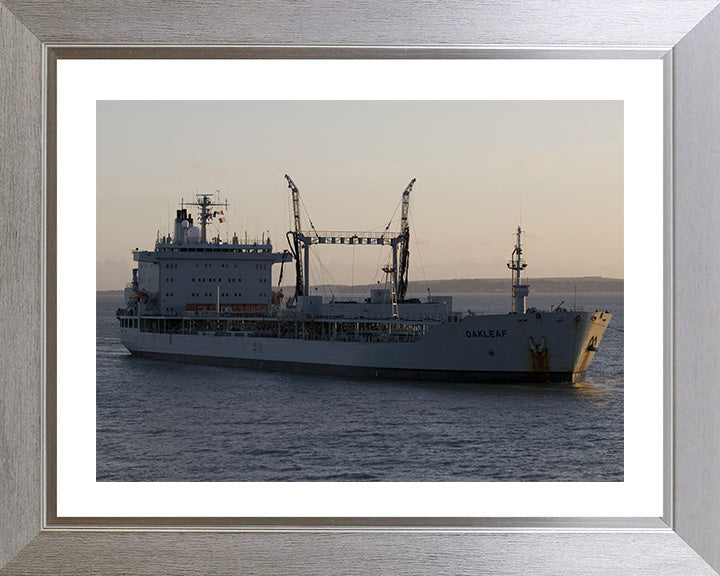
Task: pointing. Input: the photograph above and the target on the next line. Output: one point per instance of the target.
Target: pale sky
(482, 169)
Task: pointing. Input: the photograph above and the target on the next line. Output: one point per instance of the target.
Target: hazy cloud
(540, 159)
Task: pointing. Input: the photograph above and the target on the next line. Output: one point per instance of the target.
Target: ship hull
(511, 348)
(365, 372)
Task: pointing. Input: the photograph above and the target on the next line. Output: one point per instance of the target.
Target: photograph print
(380, 291)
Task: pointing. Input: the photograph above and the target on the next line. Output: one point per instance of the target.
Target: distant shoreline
(583, 285)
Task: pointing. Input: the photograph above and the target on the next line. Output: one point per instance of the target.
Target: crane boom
(402, 283)
(297, 241)
(296, 235)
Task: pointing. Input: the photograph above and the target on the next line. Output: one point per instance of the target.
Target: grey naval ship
(200, 299)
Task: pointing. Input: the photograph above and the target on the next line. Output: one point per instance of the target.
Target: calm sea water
(173, 422)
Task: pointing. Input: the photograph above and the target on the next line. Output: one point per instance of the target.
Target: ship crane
(401, 280)
(388, 271)
(297, 236)
(298, 241)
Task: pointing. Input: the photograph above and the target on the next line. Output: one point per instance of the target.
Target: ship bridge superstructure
(189, 273)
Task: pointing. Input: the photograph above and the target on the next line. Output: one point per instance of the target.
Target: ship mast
(516, 265)
(204, 202)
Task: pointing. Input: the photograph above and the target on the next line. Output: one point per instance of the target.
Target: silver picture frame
(685, 34)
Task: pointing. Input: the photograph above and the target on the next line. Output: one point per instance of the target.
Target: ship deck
(285, 326)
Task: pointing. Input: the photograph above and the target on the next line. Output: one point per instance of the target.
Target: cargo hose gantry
(298, 240)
